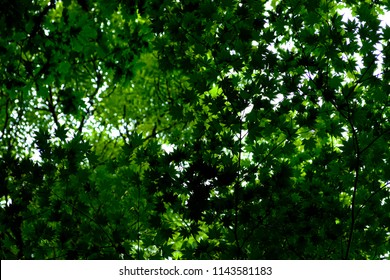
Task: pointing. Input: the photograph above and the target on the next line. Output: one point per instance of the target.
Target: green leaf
(64, 67)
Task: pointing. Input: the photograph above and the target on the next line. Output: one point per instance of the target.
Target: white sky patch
(114, 132)
(246, 111)
(5, 202)
(279, 98)
(168, 148)
(385, 19)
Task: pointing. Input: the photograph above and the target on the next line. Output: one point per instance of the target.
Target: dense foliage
(191, 129)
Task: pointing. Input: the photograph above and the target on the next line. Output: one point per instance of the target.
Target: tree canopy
(185, 129)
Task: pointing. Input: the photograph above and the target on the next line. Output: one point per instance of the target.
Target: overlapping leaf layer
(190, 129)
